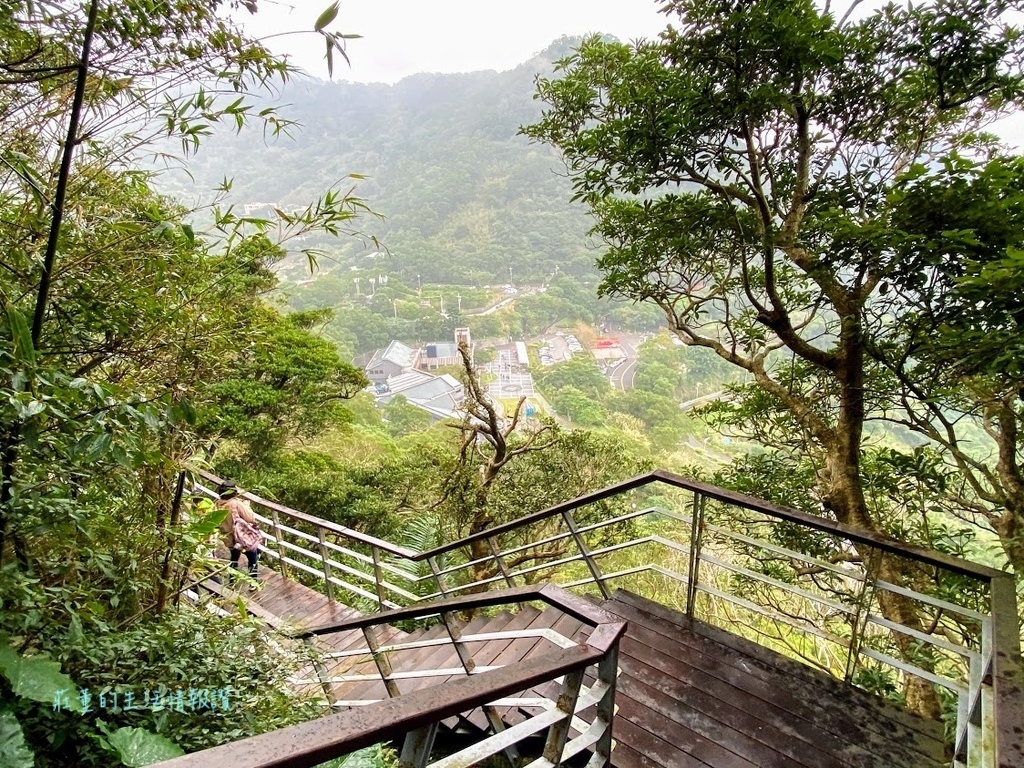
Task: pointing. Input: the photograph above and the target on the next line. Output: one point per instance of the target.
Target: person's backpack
(247, 535)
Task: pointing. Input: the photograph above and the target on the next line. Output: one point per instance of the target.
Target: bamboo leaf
(21, 336)
(329, 15)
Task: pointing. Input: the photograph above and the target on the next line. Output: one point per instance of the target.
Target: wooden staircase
(689, 695)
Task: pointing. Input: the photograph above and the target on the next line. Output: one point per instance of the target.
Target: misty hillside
(465, 198)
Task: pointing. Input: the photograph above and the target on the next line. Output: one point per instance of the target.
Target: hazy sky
(401, 37)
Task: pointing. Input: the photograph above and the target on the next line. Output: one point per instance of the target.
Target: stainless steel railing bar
(773, 615)
(791, 589)
(924, 637)
(849, 573)
(933, 601)
(915, 670)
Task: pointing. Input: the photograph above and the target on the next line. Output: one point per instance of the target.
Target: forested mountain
(465, 198)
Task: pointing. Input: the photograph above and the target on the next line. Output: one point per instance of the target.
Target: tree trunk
(1010, 530)
(165, 571)
(844, 495)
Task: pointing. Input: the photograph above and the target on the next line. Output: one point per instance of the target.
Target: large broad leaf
(209, 522)
(39, 679)
(14, 752)
(137, 746)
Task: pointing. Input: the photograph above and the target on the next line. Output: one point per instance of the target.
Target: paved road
(702, 400)
(623, 373)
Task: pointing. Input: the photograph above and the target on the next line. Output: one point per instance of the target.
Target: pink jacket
(235, 506)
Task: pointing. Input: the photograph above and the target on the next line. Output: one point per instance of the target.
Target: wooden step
(878, 715)
(812, 720)
(761, 710)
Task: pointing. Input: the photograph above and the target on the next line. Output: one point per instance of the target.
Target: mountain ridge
(465, 198)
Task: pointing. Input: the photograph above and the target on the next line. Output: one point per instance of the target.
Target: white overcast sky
(401, 37)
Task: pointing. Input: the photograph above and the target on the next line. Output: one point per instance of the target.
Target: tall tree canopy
(743, 170)
(117, 320)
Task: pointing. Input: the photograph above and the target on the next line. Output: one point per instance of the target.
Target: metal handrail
(787, 514)
(415, 715)
(993, 693)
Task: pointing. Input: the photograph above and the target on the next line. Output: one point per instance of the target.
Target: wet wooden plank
(859, 712)
(329, 613)
(624, 756)
(783, 720)
(717, 712)
(654, 749)
(690, 730)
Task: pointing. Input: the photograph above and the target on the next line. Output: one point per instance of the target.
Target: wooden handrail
(551, 594)
(315, 742)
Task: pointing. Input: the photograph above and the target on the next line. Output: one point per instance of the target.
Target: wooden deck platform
(689, 694)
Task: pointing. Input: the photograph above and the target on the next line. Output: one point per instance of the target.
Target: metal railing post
(324, 559)
(497, 558)
(607, 673)
(382, 661)
(438, 578)
(322, 673)
(468, 665)
(417, 747)
(696, 536)
(860, 618)
(277, 537)
(378, 577)
(594, 571)
(559, 731)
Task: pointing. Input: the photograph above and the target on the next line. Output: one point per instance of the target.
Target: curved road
(622, 375)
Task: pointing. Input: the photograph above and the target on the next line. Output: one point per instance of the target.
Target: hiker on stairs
(240, 527)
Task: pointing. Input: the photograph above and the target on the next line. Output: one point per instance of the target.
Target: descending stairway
(689, 695)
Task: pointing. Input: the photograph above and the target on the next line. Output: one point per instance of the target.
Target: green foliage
(402, 419)
(354, 495)
(143, 318)
(959, 236)
(580, 373)
(35, 677)
(773, 180)
(138, 747)
(578, 408)
(14, 752)
(288, 382)
(466, 198)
